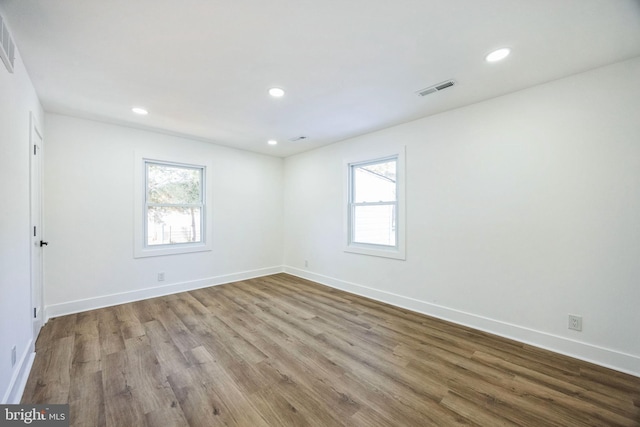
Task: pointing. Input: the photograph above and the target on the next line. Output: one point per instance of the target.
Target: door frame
(36, 143)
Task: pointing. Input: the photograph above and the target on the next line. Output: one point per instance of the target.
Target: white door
(36, 227)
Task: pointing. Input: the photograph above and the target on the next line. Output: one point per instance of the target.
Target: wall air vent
(297, 138)
(7, 48)
(435, 88)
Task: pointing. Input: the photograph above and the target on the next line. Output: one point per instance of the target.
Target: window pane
(167, 225)
(375, 224)
(374, 182)
(173, 184)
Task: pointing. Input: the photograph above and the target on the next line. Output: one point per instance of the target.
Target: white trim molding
(18, 382)
(398, 251)
(78, 306)
(619, 361)
(168, 157)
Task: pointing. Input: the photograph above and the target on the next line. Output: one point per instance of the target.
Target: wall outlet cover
(575, 322)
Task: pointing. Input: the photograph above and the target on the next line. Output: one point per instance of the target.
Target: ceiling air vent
(297, 138)
(436, 88)
(7, 48)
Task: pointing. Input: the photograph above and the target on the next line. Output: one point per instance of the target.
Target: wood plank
(169, 356)
(213, 401)
(51, 378)
(86, 400)
(111, 339)
(121, 407)
(145, 377)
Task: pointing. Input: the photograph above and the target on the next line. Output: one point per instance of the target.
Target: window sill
(379, 251)
(173, 250)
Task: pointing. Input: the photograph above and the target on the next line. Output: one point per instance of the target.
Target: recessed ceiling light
(139, 110)
(498, 55)
(276, 92)
(272, 142)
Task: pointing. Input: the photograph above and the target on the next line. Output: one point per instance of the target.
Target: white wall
(520, 210)
(17, 100)
(89, 187)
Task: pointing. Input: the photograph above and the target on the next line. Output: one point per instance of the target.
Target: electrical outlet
(575, 322)
(13, 356)
(161, 277)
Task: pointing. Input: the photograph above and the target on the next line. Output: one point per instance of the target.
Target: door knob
(43, 243)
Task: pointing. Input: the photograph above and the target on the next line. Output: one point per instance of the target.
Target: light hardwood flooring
(283, 351)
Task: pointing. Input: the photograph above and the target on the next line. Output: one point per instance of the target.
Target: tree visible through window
(174, 203)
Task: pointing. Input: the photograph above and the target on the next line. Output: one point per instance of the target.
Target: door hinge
(34, 312)
(34, 231)
(35, 148)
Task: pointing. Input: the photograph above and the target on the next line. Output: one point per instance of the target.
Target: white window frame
(399, 250)
(141, 248)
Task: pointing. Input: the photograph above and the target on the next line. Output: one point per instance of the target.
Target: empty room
(334, 213)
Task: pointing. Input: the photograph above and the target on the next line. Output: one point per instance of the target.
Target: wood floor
(282, 351)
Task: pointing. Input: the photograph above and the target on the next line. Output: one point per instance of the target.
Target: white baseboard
(20, 377)
(616, 360)
(78, 306)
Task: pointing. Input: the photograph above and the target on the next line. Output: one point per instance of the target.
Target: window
(171, 207)
(374, 225)
(174, 204)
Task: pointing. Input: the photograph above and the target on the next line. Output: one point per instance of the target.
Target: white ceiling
(203, 67)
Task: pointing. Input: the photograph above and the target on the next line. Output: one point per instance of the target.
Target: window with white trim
(374, 207)
(171, 206)
(174, 203)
